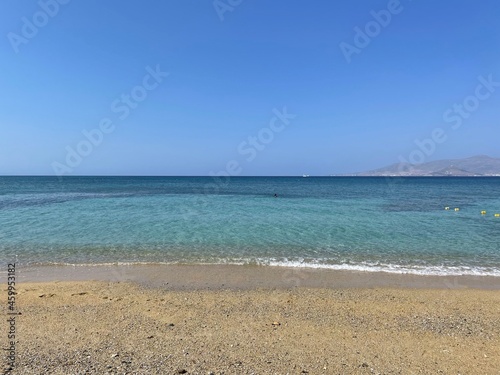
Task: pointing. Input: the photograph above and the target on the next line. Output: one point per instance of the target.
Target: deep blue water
(389, 224)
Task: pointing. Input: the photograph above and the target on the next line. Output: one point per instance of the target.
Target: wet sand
(252, 320)
(187, 277)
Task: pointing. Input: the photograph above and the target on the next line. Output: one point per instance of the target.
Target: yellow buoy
(447, 208)
(497, 215)
(483, 212)
(457, 209)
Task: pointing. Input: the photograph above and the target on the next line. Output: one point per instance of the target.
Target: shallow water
(374, 224)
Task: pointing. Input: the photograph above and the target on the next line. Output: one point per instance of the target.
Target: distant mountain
(473, 166)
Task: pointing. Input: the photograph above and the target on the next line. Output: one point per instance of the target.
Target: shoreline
(247, 277)
(228, 319)
(98, 327)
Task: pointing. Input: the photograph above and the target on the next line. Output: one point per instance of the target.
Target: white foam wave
(392, 268)
(427, 270)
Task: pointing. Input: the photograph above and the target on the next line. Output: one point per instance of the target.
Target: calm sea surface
(373, 224)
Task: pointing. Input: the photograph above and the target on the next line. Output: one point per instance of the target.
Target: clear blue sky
(227, 76)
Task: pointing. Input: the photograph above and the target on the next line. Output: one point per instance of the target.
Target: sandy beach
(166, 321)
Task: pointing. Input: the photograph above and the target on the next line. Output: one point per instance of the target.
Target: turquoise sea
(353, 223)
